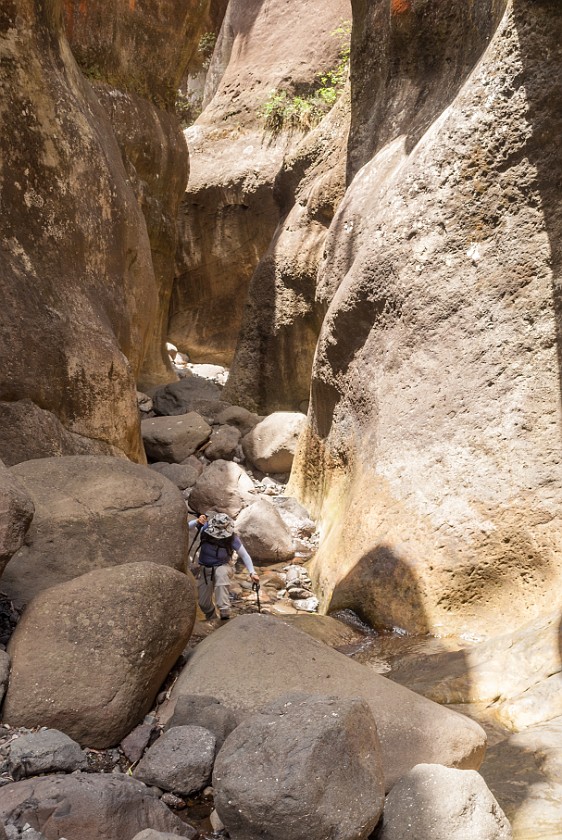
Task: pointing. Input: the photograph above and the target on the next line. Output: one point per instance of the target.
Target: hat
(220, 525)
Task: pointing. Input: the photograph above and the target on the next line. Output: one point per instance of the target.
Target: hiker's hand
(255, 578)
(202, 519)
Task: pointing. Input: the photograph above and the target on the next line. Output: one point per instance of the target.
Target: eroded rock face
(234, 162)
(433, 456)
(78, 287)
(93, 513)
(16, 513)
(126, 625)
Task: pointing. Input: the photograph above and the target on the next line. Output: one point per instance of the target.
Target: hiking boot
(210, 616)
(225, 615)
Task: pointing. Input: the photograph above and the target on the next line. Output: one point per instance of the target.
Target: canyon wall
(94, 165)
(432, 453)
(230, 210)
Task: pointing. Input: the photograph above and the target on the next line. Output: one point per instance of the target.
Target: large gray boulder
(271, 445)
(48, 751)
(184, 396)
(264, 533)
(223, 444)
(89, 655)
(181, 760)
(224, 487)
(208, 712)
(239, 417)
(173, 439)
(16, 513)
(275, 658)
(182, 475)
(90, 513)
(439, 803)
(87, 807)
(307, 768)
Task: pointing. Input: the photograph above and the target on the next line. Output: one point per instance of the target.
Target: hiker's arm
(244, 556)
(197, 522)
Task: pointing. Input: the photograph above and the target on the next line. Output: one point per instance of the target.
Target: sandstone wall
(230, 212)
(77, 285)
(135, 55)
(433, 448)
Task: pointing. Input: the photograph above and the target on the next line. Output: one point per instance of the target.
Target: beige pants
(215, 581)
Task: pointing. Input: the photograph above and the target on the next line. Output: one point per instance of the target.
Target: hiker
(217, 543)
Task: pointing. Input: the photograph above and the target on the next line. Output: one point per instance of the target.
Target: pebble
(173, 801)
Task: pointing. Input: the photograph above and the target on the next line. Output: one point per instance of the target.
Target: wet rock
(182, 475)
(87, 806)
(137, 741)
(440, 803)
(108, 623)
(224, 487)
(47, 751)
(271, 445)
(181, 760)
(223, 444)
(320, 776)
(173, 439)
(208, 712)
(184, 396)
(93, 513)
(264, 534)
(16, 513)
(276, 658)
(325, 629)
(240, 418)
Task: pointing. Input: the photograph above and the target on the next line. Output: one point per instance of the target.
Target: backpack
(214, 551)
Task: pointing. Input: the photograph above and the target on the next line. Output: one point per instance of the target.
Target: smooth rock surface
(89, 806)
(276, 658)
(239, 417)
(308, 767)
(127, 625)
(175, 438)
(46, 751)
(264, 533)
(181, 760)
(223, 487)
(440, 803)
(433, 449)
(93, 513)
(182, 475)
(271, 445)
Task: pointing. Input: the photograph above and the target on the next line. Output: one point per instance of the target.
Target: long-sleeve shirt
(237, 545)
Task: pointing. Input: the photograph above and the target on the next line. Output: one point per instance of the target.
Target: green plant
(302, 112)
(188, 108)
(206, 48)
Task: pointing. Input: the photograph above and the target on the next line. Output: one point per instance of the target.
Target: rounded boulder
(89, 656)
(264, 534)
(90, 513)
(271, 445)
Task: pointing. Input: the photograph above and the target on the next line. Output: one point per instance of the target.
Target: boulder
(294, 515)
(239, 417)
(208, 712)
(223, 444)
(173, 439)
(46, 751)
(307, 768)
(181, 760)
(184, 396)
(440, 803)
(193, 462)
(16, 513)
(90, 806)
(127, 625)
(4, 673)
(264, 534)
(271, 445)
(150, 834)
(275, 658)
(93, 513)
(325, 629)
(224, 487)
(182, 475)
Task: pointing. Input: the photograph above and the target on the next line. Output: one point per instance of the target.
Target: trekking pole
(256, 589)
